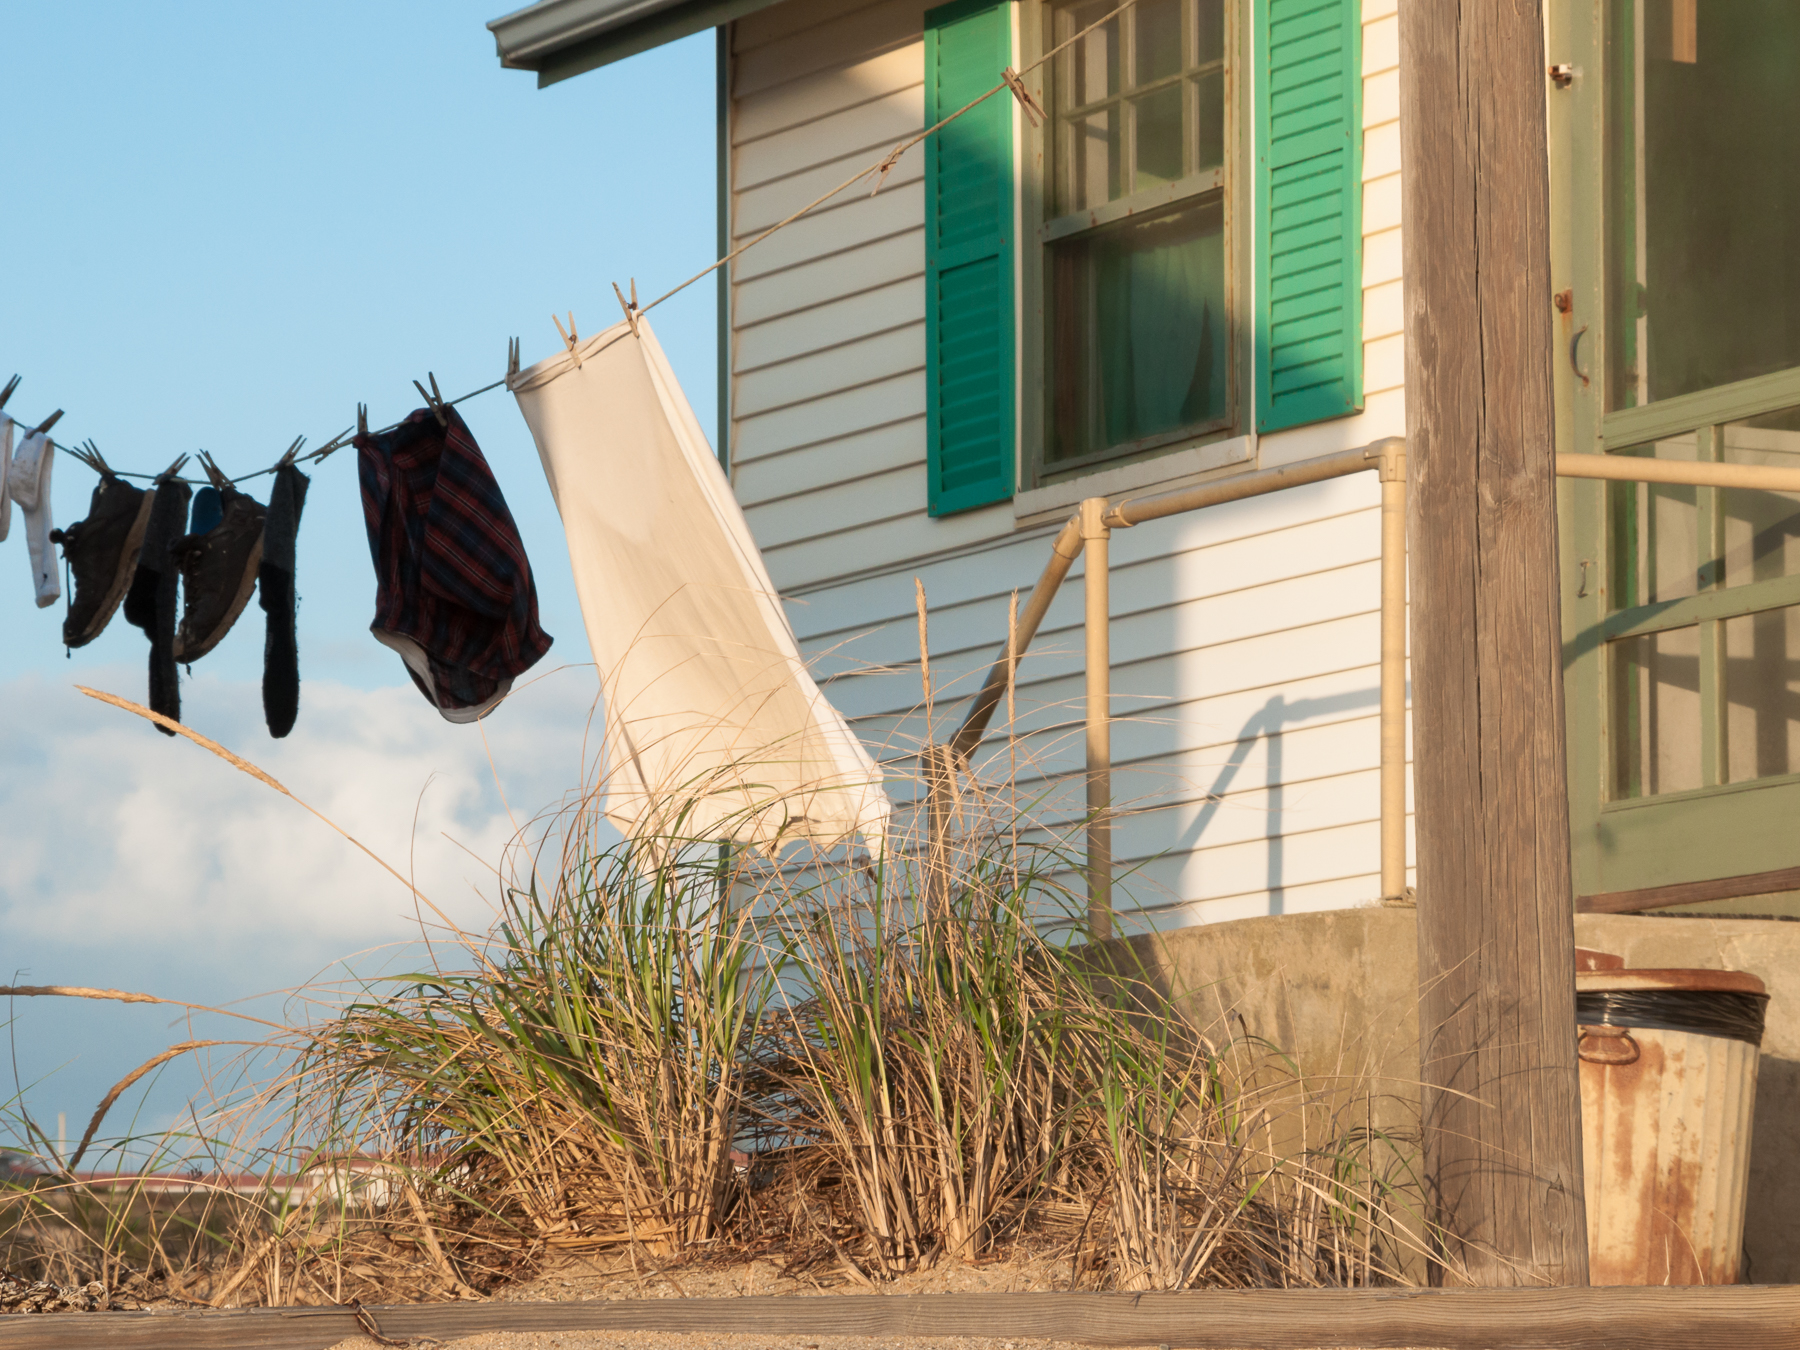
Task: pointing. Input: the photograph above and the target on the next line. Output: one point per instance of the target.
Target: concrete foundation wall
(1337, 991)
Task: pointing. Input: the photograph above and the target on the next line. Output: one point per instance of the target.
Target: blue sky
(227, 224)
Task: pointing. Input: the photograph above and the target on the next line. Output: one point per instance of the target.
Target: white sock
(28, 484)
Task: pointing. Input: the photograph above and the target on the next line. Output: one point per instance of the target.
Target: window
(1142, 326)
(1138, 337)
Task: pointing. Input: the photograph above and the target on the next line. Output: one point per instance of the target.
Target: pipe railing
(1089, 532)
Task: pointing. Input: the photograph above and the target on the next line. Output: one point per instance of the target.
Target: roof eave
(561, 38)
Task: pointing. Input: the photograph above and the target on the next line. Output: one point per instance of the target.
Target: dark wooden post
(1496, 913)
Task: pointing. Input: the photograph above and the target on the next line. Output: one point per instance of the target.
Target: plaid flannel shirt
(450, 569)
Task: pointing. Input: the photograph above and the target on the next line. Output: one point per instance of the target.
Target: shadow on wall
(1267, 725)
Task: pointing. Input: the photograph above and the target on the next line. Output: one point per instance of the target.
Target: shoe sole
(128, 561)
(245, 589)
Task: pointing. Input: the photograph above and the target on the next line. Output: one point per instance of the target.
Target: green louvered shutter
(1308, 211)
(968, 258)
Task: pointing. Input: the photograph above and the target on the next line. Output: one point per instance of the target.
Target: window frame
(1038, 230)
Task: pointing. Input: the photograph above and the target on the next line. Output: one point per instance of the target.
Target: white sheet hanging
(714, 728)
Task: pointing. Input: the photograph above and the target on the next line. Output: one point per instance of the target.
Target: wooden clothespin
(292, 450)
(7, 392)
(1027, 104)
(512, 359)
(362, 420)
(433, 399)
(89, 454)
(887, 166)
(569, 337)
(47, 423)
(214, 474)
(172, 470)
(629, 306)
(337, 442)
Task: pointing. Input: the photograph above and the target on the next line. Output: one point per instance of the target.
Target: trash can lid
(1707, 981)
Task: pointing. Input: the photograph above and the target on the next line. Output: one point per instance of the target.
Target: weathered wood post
(1496, 914)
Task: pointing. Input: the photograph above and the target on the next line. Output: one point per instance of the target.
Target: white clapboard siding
(1245, 640)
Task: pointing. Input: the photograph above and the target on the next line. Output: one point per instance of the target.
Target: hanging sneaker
(102, 550)
(218, 573)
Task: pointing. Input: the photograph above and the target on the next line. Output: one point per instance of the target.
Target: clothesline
(1010, 80)
(337, 442)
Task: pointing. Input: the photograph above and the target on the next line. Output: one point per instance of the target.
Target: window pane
(1139, 318)
(1762, 694)
(1093, 175)
(1655, 713)
(1662, 545)
(1703, 198)
(1655, 534)
(1158, 136)
(1211, 103)
(1211, 14)
(1762, 529)
(1158, 40)
(1090, 68)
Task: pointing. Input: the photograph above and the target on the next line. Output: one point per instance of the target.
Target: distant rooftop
(560, 38)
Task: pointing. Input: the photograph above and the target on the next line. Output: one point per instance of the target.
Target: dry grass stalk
(668, 1051)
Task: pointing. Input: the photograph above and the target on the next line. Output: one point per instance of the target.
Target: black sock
(154, 596)
(275, 592)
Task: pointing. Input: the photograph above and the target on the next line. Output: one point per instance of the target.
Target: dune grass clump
(582, 1081)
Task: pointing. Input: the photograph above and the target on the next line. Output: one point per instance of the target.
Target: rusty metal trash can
(1668, 1082)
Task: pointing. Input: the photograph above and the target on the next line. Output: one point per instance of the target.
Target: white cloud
(131, 860)
(114, 836)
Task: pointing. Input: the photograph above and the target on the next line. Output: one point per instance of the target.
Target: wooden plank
(1178, 558)
(890, 545)
(802, 379)
(829, 91)
(1502, 1107)
(755, 209)
(893, 258)
(841, 41)
(870, 128)
(837, 507)
(773, 477)
(861, 220)
(839, 415)
(777, 22)
(860, 315)
(1746, 1317)
(1691, 892)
